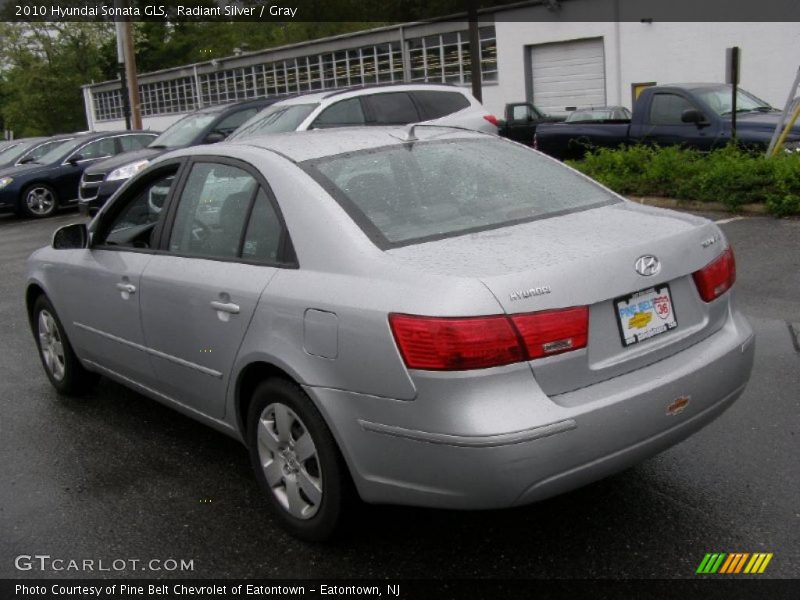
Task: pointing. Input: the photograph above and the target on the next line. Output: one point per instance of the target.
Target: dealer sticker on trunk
(645, 314)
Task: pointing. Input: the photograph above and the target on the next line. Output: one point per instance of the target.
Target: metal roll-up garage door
(568, 74)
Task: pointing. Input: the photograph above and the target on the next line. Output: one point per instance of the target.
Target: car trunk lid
(588, 258)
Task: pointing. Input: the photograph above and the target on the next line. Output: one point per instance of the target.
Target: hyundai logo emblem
(647, 265)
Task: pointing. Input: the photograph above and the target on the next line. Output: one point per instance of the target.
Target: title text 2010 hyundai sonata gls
(437, 317)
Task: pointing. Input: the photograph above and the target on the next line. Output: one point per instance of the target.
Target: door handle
(227, 307)
(126, 287)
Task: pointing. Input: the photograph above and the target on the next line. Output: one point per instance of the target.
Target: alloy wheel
(51, 346)
(40, 201)
(288, 456)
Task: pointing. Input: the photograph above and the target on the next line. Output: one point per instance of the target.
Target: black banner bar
(705, 588)
(399, 11)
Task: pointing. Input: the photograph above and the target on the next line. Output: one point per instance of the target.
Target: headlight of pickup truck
(4, 181)
(127, 171)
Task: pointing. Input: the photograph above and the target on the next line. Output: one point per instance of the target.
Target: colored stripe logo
(734, 563)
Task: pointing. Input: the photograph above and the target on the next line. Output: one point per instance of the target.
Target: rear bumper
(549, 447)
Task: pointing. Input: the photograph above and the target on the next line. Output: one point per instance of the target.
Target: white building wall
(637, 52)
(514, 40)
(687, 52)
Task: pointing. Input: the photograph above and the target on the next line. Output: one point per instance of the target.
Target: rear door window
(212, 211)
(341, 114)
(395, 108)
(434, 105)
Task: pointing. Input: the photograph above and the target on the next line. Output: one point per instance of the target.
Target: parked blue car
(38, 188)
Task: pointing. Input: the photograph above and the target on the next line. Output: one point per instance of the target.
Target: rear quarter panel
(343, 273)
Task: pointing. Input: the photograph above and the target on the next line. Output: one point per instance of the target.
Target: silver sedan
(415, 315)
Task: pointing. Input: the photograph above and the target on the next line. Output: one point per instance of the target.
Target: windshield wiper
(766, 109)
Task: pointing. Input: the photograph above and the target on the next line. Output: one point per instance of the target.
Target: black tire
(330, 466)
(38, 201)
(65, 372)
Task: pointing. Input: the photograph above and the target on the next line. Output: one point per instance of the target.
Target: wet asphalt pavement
(118, 476)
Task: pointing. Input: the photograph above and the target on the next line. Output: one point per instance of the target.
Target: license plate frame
(657, 303)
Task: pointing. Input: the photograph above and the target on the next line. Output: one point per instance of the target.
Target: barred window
(108, 105)
(441, 58)
(166, 97)
(444, 58)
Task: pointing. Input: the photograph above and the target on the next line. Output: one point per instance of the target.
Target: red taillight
(553, 331)
(458, 344)
(445, 344)
(491, 118)
(716, 277)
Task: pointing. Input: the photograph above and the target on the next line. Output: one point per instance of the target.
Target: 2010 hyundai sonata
(433, 316)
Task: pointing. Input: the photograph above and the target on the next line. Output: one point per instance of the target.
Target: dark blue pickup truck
(694, 115)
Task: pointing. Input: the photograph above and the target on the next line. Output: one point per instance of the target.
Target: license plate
(645, 314)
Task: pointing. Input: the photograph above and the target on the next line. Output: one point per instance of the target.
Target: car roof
(218, 108)
(299, 146)
(317, 97)
(695, 86)
(610, 107)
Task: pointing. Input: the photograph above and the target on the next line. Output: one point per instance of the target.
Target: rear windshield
(421, 191)
(275, 119)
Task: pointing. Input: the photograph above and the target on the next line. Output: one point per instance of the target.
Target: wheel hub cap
(40, 201)
(289, 458)
(51, 346)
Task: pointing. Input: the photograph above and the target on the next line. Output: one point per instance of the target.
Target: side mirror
(214, 137)
(71, 237)
(692, 115)
(75, 159)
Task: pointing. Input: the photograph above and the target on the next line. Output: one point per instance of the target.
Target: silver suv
(380, 105)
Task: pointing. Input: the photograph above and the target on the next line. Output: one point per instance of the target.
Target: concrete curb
(744, 209)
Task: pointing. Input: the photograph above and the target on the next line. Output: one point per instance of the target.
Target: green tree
(43, 67)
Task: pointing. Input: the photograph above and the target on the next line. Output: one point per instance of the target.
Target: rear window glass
(440, 104)
(410, 193)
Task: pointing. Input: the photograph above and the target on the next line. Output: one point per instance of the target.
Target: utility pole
(474, 50)
(732, 59)
(126, 101)
(125, 41)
